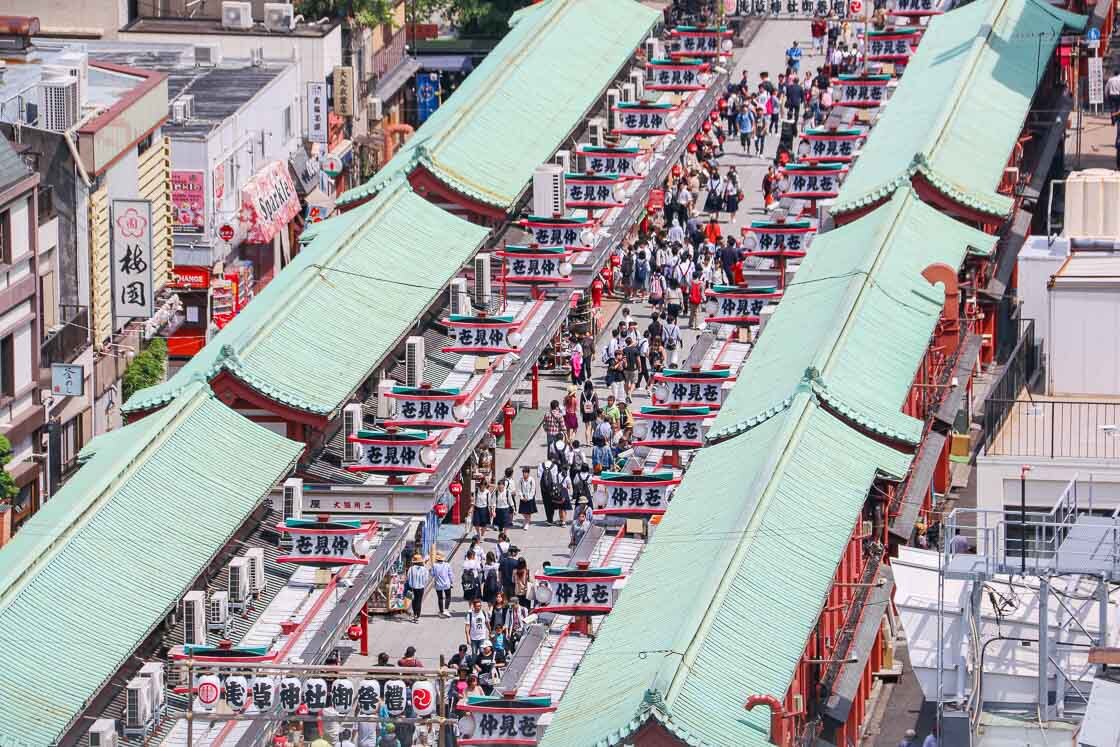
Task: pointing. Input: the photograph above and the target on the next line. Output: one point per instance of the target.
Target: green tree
(146, 369)
(8, 487)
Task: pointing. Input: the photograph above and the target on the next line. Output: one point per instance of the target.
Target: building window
(7, 367)
(71, 443)
(288, 122)
(144, 144)
(6, 237)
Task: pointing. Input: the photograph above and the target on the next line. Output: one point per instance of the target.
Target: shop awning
(392, 81)
(268, 202)
(448, 63)
(844, 689)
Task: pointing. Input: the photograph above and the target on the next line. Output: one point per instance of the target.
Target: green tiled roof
(882, 313)
(313, 335)
(512, 113)
(98, 567)
(960, 106)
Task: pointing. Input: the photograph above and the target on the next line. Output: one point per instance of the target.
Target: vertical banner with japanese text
(131, 259)
(317, 112)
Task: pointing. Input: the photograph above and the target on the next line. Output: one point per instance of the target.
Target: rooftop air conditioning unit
(178, 112)
(653, 48)
(614, 97)
(238, 584)
(207, 55)
(638, 81)
(279, 17)
(237, 15)
(375, 109)
(351, 424)
(459, 298)
(194, 618)
(385, 403)
(563, 158)
(217, 613)
(153, 672)
(103, 733)
(138, 707)
(291, 505)
(482, 279)
(597, 132)
(72, 64)
(414, 361)
(255, 555)
(548, 190)
(59, 105)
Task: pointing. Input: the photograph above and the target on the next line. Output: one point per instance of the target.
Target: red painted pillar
(536, 388)
(508, 412)
(363, 617)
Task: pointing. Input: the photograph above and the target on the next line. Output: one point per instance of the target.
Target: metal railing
(386, 58)
(1054, 429)
(65, 342)
(1023, 364)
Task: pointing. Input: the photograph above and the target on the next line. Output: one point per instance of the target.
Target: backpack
(548, 484)
(695, 292)
(469, 582)
(587, 404)
(491, 585)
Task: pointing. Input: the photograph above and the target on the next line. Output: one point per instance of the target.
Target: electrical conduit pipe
(405, 130)
(777, 717)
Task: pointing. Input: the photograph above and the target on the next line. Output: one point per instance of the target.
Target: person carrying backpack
(550, 487)
(695, 299)
(588, 406)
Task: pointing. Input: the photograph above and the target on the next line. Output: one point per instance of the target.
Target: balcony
(1056, 427)
(64, 343)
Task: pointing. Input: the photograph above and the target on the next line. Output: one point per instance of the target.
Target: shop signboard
(576, 591)
(501, 720)
(860, 91)
(622, 163)
(131, 259)
(426, 407)
(672, 427)
(67, 380)
(482, 335)
(394, 451)
(700, 41)
(639, 118)
(344, 91)
(795, 9)
(679, 75)
(778, 236)
(826, 145)
(596, 191)
(325, 543)
(739, 305)
(190, 277)
(811, 181)
(565, 233)
(530, 265)
(317, 112)
(693, 387)
(268, 202)
(892, 46)
(188, 201)
(219, 177)
(917, 8)
(632, 495)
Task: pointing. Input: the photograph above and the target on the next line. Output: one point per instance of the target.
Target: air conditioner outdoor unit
(152, 671)
(653, 48)
(194, 618)
(178, 112)
(279, 17)
(614, 96)
(824, 216)
(71, 64)
(237, 15)
(638, 80)
(563, 158)
(291, 506)
(138, 707)
(374, 109)
(597, 132)
(103, 733)
(256, 56)
(217, 614)
(207, 55)
(548, 190)
(59, 104)
(629, 93)
(255, 556)
(482, 279)
(238, 584)
(351, 424)
(414, 361)
(459, 298)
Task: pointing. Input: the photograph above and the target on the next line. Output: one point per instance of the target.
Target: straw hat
(417, 558)
(439, 556)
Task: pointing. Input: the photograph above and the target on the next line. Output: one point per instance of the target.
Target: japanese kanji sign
(860, 91)
(698, 41)
(772, 239)
(344, 90)
(491, 335)
(672, 427)
(811, 181)
(188, 201)
(917, 8)
(424, 407)
(642, 119)
(324, 544)
(798, 8)
(632, 495)
(68, 379)
(829, 146)
(577, 591)
(591, 191)
(621, 163)
(731, 304)
(676, 75)
(702, 387)
(534, 265)
(133, 286)
(559, 233)
(317, 112)
(493, 720)
(394, 451)
(891, 46)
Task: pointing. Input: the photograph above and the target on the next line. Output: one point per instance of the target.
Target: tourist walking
(526, 496)
(417, 581)
(441, 580)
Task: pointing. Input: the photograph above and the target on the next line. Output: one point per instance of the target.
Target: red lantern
(441, 510)
(706, 127)
(354, 632)
(509, 410)
(692, 147)
(456, 489)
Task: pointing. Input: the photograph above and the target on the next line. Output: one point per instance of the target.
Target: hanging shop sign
(482, 335)
(325, 543)
(190, 277)
(621, 162)
(332, 165)
(800, 9)
(343, 80)
(268, 203)
(679, 75)
(68, 379)
(822, 145)
(782, 236)
(591, 191)
(534, 265)
(317, 112)
(738, 304)
(633, 495)
(917, 8)
(693, 387)
(265, 693)
(895, 45)
(640, 118)
(188, 201)
(672, 427)
(426, 407)
(860, 91)
(700, 41)
(219, 177)
(566, 233)
(496, 720)
(394, 451)
(576, 591)
(131, 249)
(811, 181)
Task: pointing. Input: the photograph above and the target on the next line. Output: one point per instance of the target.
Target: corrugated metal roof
(961, 104)
(315, 333)
(103, 561)
(526, 96)
(860, 314)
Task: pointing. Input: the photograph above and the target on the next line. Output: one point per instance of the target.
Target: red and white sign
(188, 201)
(332, 165)
(855, 7)
(219, 177)
(226, 232)
(423, 698)
(268, 203)
(189, 276)
(207, 692)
